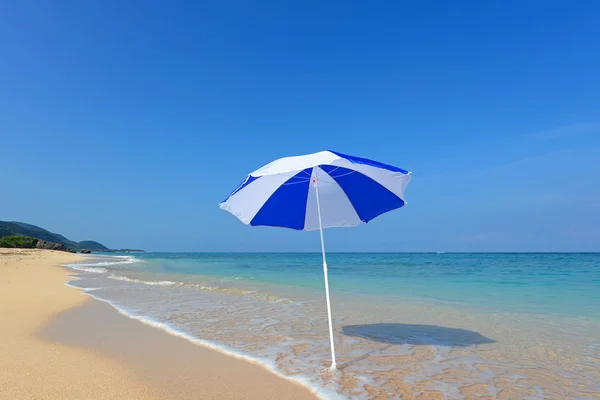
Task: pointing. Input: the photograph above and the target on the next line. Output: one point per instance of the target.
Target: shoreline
(206, 344)
(59, 343)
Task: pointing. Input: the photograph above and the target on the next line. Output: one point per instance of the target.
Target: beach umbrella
(315, 191)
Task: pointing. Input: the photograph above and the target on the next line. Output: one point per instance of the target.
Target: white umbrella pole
(333, 364)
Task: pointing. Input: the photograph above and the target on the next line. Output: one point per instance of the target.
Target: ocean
(514, 326)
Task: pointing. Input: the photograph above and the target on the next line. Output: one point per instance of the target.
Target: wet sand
(57, 343)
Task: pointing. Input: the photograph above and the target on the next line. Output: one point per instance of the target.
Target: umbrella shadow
(414, 334)
(417, 334)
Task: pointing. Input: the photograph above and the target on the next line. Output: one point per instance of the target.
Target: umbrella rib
(337, 167)
(294, 183)
(291, 175)
(339, 176)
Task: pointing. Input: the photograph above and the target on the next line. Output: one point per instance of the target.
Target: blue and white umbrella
(315, 191)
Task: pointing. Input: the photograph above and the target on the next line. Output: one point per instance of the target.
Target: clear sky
(127, 122)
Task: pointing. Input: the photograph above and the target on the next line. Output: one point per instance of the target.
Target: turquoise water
(518, 326)
(552, 283)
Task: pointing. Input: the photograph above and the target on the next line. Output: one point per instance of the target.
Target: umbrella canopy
(315, 191)
(351, 190)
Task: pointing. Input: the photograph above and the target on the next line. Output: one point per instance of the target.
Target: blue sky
(127, 122)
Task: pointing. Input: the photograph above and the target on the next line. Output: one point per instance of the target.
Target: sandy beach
(56, 343)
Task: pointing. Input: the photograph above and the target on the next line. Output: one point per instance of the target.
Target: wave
(98, 269)
(199, 287)
(85, 268)
(230, 290)
(97, 266)
(152, 283)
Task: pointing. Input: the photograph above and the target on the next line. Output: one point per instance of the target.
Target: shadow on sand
(393, 334)
(416, 334)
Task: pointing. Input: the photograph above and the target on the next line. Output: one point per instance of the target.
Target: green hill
(91, 245)
(12, 228)
(20, 242)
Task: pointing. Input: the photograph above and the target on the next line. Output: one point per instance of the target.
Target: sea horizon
(347, 252)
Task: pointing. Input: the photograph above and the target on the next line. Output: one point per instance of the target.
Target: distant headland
(21, 235)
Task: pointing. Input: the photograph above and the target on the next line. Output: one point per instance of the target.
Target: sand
(56, 343)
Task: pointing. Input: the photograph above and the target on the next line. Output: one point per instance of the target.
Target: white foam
(83, 267)
(152, 283)
(97, 266)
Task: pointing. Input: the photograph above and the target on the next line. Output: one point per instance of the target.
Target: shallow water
(512, 326)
